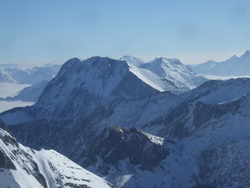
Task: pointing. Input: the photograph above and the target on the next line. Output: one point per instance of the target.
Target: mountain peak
(167, 60)
(234, 57)
(81, 86)
(132, 60)
(246, 54)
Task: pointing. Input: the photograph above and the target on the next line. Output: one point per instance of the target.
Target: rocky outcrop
(116, 143)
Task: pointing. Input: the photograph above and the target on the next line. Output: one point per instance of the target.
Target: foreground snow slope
(22, 167)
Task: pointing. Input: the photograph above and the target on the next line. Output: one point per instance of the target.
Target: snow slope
(132, 60)
(234, 66)
(22, 167)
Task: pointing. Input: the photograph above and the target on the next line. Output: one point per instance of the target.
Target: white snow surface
(155, 139)
(148, 77)
(173, 70)
(132, 60)
(57, 170)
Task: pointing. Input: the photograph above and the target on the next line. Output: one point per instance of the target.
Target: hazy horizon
(41, 32)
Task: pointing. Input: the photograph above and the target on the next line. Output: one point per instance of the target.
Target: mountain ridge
(24, 167)
(234, 66)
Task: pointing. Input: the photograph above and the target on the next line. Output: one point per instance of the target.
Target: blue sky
(39, 32)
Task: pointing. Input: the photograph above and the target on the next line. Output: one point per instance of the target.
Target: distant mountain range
(234, 66)
(21, 75)
(82, 86)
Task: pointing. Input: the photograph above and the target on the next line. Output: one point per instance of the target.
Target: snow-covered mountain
(132, 60)
(83, 86)
(29, 94)
(174, 76)
(234, 66)
(204, 132)
(174, 73)
(22, 167)
(23, 75)
(110, 117)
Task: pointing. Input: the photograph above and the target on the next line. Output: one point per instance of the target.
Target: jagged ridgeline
(118, 121)
(21, 166)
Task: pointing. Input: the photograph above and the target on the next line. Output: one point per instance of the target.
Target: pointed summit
(246, 54)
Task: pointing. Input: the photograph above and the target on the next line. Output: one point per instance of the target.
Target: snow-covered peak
(173, 70)
(132, 60)
(166, 60)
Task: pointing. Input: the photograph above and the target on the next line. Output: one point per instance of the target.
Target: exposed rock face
(115, 144)
(23, 167)
(5, 161)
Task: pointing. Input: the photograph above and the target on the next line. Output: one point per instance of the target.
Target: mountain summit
(173, 71)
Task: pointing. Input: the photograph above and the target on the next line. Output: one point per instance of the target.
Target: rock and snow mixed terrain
(174, 76)
(234, 66)
(121, 126)
(173, 71)
(21, 166)
(83, 86)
